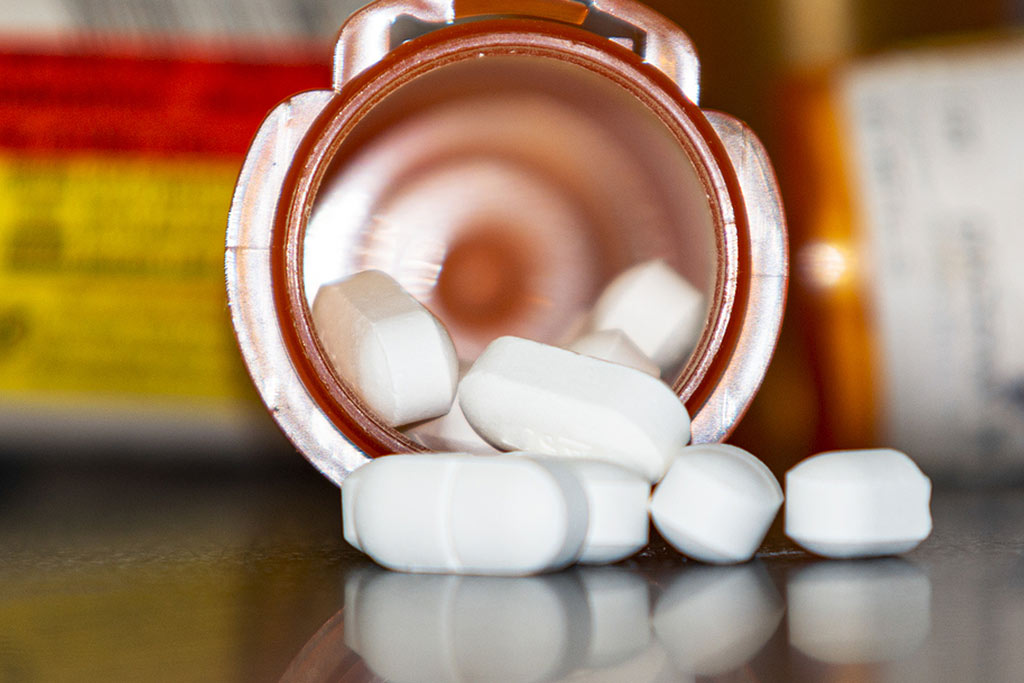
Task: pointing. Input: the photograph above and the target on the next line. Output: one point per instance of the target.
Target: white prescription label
(937, 142)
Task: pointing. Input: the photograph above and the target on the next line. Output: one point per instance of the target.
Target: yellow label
(111, 277)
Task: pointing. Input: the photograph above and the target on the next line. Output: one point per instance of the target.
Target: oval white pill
(859, 503)
(656, 308)
(716, 503)
(615, 346)
(523, 395)
(469, 514)
(386, 347)
(617, 499)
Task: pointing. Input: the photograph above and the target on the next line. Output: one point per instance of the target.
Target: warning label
(116, 174)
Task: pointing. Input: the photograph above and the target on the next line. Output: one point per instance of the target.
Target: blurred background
(136, 462)
(123, 126)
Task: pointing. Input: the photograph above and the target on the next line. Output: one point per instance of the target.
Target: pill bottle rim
(471, 40)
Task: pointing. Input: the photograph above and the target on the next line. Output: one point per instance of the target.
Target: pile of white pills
(564, 446)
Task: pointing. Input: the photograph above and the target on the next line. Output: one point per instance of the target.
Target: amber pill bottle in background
(503, 161)
(900, 165)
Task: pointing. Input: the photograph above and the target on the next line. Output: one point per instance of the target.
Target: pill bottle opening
(505, 189)
(504, 193)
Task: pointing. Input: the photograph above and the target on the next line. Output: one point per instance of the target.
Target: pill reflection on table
(649, 666)
(865, 611)
(411, 628)
(619, 602)
(712, 620)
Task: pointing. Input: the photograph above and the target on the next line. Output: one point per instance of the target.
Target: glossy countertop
(180, 575)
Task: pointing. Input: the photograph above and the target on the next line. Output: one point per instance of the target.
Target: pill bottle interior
(503, 188)
(504, 193)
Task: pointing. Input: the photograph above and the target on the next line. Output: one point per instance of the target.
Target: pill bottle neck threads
(408, 136)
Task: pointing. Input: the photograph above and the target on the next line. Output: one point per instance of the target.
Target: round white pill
(656, 308)
(386, 347)
(712, 620)
(469, 514)
(858, 503)
(859, 611)
(615, 346)
(523, 395)
(716, 503)
(617, 499)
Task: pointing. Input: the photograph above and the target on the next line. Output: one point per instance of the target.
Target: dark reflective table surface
(168, 575)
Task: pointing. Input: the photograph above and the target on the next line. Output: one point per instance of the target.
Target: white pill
(712, 620)
(858, 503)
(859, 611)
(465, 628)
(459, 513)
(617, 499)
(615, 347)
(450, 432)
(522, 395)
(386, 347)
(716, 503)
(656, 308)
